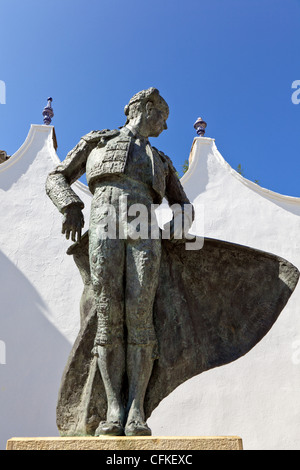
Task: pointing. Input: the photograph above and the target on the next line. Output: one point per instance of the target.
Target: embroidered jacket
(103, 153)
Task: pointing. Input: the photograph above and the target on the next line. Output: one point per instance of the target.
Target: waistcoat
(113, 161)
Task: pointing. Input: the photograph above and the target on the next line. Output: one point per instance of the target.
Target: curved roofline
(250, 184)
(15, 157)
(34, 129)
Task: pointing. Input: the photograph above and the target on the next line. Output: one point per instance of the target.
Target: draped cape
(212, 306)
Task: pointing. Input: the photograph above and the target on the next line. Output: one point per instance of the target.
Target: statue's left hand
(73, 222)
(178, 227)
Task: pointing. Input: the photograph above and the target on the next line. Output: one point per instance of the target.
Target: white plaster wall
(255, 397)
(40, 289)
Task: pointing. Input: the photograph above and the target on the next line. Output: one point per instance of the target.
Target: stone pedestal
(106, 443)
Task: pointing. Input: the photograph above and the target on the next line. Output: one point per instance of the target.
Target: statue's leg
(142, 270)
(139, 368)
(111, 362)
(107, 272)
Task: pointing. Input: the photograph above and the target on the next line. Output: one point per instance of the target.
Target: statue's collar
(133, 133)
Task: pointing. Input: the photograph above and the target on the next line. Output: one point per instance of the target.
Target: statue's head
(150, 109)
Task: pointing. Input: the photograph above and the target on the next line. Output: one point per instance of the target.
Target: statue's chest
(110, 158)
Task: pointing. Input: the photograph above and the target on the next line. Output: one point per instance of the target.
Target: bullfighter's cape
(212, 306)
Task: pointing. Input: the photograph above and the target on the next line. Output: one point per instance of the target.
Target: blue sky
(232, 62)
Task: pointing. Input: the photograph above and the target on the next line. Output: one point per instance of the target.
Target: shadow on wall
(36, 353)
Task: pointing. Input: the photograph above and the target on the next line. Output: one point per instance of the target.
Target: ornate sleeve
(59, 181)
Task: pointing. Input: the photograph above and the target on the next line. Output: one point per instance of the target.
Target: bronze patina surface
(153, 313)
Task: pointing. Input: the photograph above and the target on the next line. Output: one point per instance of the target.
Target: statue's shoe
(137, 428)
(110, 428)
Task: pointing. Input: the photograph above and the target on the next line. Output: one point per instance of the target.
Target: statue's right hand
(73, 222)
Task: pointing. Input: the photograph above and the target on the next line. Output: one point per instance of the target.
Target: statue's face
(148, 116)
(156, 119)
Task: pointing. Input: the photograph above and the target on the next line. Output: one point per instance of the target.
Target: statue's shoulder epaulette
(96, 136)
(167, 160)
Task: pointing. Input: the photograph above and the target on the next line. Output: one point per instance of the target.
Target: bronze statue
(152, 313)
(117, 163)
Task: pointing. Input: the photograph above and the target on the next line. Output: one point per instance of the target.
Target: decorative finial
(200, 126)
(48, 112)
(3, 156)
